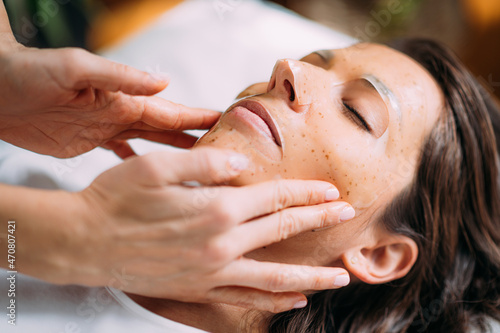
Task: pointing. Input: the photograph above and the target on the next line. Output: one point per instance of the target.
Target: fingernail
(347, 213)
(238, 162)
(341, 280)
(300, 304)
(332, 194)
(162, 77)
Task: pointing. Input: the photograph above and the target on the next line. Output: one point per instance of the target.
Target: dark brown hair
(451, 209)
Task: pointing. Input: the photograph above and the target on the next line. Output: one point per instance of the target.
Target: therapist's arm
(137, 228)
(65, 102)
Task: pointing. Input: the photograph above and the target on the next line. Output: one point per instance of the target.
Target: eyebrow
(382, 89)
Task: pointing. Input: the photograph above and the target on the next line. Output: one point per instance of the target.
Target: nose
(289, 83)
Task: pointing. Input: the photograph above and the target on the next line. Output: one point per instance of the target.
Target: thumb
(204, 165)
(258, 299)
(100, 73)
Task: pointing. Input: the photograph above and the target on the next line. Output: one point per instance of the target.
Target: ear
(388, 260)
(254, 89)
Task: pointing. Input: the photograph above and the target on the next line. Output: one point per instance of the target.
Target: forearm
(44, 224)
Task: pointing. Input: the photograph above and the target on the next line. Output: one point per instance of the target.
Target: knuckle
(222, 213)
(206, 162)
(213, 163)
(288, 193)
(150, 167)
(310, 196)
(120, 68)
(218, 252)
(203, 155)
(71, 54)
(316, 282)
(125, 72)
(141, 105)
(176, 119)
(72, 60)
(287, 225)
(282, 195)
(215, 172)
(307, 195)
(278, 280)
(323, 216)
(293, 192)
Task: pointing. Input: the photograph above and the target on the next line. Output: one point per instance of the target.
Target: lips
(266, 122)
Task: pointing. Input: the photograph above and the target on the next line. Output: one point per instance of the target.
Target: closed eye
(351, 113)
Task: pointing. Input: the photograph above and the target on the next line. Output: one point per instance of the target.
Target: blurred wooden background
(470, 27)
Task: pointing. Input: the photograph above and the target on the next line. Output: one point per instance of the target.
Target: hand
(64, 102)
(147, 233)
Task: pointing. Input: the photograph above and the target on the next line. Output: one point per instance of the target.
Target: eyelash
(354, 115)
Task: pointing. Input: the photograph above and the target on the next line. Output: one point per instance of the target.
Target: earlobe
(386, 261)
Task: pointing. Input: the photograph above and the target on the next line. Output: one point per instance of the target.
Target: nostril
(289, 90)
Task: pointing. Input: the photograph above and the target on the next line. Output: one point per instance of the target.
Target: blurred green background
(60, 23)
(49, 23)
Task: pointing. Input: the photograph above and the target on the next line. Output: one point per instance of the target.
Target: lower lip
(247, 122)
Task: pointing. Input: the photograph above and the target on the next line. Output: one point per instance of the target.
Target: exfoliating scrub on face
(355, 117)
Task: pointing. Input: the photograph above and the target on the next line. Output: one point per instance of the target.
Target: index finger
(282, 277)
(166, 115)
(90, 70)
(273, 196)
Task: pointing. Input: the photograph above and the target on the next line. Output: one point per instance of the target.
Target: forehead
(418, 94)
(414, 88)
(407, 79)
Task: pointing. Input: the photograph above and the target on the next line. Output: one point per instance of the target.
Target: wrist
(78, 260)
(47, 226)
(85, 247)
(70, 228)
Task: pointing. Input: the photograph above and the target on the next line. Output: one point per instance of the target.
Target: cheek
(326, 147)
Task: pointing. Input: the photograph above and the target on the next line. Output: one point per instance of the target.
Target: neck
(214, 317)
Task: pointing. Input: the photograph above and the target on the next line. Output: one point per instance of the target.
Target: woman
(411, 144)
(409, 139)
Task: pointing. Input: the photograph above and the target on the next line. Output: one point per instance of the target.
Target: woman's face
(355, 117)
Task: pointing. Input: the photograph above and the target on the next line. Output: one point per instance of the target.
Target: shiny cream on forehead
(381, 88)
(385, 92)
